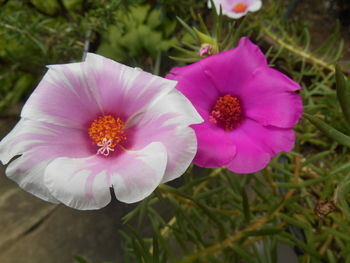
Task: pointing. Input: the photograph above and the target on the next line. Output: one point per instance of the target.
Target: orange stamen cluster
(226, 112)
(107, 128)
(239, 7)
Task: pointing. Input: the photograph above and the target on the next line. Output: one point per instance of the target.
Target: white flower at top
(236, 8)
(96, 125)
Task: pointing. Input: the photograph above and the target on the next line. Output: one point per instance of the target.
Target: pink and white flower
(236, 8)
(96, 125)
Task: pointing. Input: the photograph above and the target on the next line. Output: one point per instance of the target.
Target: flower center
(226, 112)
(107, 132)
(240, 7)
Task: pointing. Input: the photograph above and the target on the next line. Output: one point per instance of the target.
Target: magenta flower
(249, 109)
(98, 124)
(236, 8)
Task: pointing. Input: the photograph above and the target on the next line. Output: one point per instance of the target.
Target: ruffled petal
(136, 174)
(167, 122)
(124, 91)
(256, 144)
(84, 183)
(215, 147)
(269, 98)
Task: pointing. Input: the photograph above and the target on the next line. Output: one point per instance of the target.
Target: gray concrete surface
(34, 231)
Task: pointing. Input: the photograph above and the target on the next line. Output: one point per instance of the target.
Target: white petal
(136, 174)
(73, 182)
(181, 150)
(17, 141)
(255, 5)
(30, 179)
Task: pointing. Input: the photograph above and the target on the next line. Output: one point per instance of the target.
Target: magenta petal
(272, 139)
(217, 75)
(256, 144)
(230, 69)
(250, 157)
(194, 84)
(269, 98)
(215, 146)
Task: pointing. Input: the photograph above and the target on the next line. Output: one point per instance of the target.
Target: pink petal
(45, 141)
(63, 97)
(124, 91)
(269, 98)
(75, 94)
(257, 144)
(215, 146)
(167, 122)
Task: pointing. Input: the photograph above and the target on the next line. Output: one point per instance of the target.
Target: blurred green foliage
(40, 32)
(140, 36)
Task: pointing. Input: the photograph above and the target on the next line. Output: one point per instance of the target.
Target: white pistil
(105, 147)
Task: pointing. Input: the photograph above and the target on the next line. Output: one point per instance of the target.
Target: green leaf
(342, 196)
(80, 259)
(245, 203)
(188, 28)
(343, 92)
(329, 131)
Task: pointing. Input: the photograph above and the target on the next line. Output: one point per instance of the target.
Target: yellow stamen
(107, 132)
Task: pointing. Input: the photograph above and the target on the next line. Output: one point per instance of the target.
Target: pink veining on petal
(73, 104)
(124, 91)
